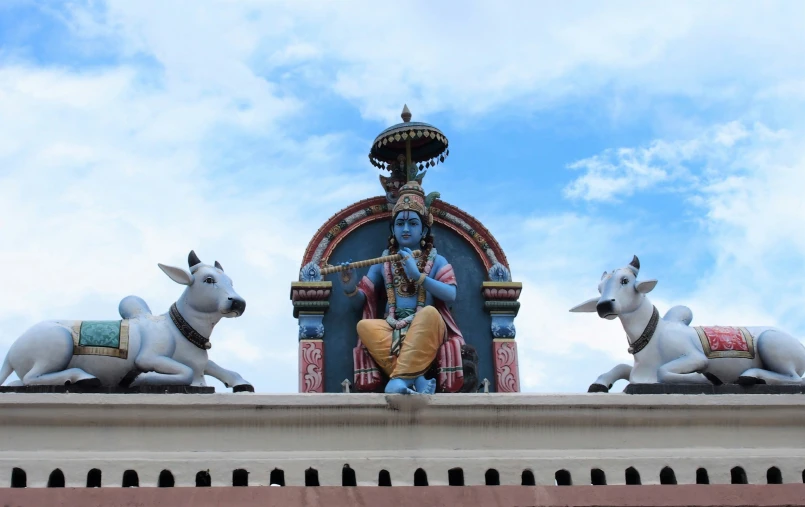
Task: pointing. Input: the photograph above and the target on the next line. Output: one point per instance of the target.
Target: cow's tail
(132, 307)
(5, 371)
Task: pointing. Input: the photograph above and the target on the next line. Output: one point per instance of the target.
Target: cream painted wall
(371, 432)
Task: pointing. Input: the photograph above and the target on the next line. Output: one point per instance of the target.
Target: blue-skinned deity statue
(417, 324)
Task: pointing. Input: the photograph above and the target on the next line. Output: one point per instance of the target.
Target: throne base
(110, 390)
(713, 389)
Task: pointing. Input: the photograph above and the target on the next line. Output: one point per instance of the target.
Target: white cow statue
(668, 350)
(142, 349)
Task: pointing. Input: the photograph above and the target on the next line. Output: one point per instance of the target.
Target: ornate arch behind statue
(484, 309)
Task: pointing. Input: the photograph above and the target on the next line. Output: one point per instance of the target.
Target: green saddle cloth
(101, 338)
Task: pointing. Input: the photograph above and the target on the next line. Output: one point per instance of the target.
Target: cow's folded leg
(684, 370)
(69, 376)
(761, 376)
(229, 378)
(161, 370)
(604, 383)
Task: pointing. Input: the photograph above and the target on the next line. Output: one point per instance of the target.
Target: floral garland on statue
(391, 319)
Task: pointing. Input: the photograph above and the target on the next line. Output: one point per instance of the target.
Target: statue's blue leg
(399, 386)
(425, 386)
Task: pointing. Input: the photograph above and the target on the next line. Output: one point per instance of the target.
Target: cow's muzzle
(606, 308)
(238, 306)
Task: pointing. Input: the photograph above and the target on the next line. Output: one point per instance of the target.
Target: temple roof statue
(432, 292)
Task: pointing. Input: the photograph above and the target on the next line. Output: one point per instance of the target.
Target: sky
(580, 134)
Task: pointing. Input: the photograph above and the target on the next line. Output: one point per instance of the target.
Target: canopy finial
(406, 113)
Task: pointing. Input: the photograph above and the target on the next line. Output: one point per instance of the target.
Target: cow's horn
(218, 265)
(192, 259)
(635, 263)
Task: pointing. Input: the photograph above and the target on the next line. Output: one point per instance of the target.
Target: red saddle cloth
(722, 341)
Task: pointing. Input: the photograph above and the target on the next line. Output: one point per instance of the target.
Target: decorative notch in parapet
(310, 297)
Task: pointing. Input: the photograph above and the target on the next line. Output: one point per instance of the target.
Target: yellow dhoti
(418, 349)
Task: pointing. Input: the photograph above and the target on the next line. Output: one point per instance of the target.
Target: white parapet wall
(506, 433)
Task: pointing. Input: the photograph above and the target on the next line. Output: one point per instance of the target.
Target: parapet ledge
(492, 401)
(451, 399)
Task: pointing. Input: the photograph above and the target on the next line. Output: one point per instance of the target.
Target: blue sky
(131, 132)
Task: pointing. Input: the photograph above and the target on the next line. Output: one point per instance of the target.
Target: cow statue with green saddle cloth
(140, 350)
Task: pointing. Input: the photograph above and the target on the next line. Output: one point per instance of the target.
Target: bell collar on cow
(187, 330)
(639, 344)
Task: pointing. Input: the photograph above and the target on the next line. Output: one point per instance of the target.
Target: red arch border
(379, 203)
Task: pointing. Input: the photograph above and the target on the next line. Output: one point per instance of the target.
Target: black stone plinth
(109, 390)
(712, 389)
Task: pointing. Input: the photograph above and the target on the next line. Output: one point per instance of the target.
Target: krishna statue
(393, 327)
(418, 287)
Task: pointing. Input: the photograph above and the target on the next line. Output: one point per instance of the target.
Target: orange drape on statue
(425, 334)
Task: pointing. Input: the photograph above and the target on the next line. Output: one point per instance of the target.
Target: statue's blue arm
(376, 276)
(437, 289)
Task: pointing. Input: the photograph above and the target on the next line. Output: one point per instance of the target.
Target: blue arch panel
(369, 241)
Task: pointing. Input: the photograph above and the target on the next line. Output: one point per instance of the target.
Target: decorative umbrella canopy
(415, 141)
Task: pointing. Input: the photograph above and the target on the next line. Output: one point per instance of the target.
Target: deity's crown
(412, 198)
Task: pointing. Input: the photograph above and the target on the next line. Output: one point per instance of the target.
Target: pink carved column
(502, 305)
(507, 373)
(311, 366)
(310, 303)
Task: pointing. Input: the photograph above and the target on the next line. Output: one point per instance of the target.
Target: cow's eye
(624, 281)
(209, 279)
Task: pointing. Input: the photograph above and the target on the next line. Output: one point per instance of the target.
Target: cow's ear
(586, 307)
(645, 286)
(178, 275)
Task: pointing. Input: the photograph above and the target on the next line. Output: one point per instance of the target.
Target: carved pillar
(310, 303)
(501, 302)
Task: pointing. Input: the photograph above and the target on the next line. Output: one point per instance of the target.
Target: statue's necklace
(404, 286)
(429, 256)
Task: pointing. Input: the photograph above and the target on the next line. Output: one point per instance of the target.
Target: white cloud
(468, 60)
(680, 166)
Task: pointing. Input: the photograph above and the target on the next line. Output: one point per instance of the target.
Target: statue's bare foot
(399, 386)
(425, 386)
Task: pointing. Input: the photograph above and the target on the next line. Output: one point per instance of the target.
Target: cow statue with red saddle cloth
(668, 350)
